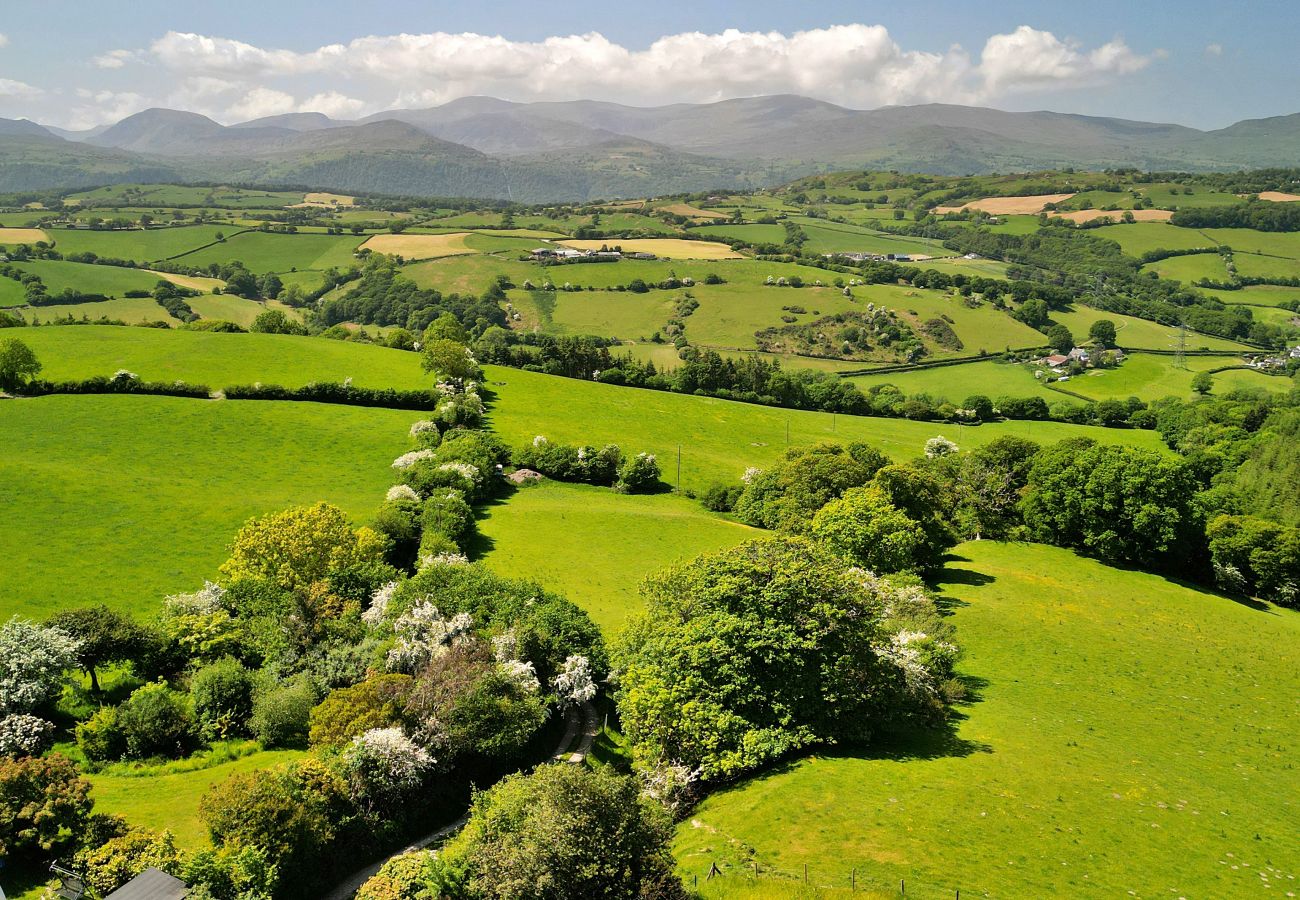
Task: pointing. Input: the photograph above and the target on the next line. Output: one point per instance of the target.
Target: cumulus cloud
(1213, 49)
(103, 107)
(858, 65)
(4, 40)
(259, 102)
(17, 89)
(115, 59)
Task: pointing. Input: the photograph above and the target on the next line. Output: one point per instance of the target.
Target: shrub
(639, 475)
(584, 465)
(101, 736)
(299, 546)
(447, 514)
(347, 712)
(33, 659)
(721, 497)
(121, 858)
(223, 698)
(157, 721)
(384, 769)
(25, 735)
(282, 713)
(787, 495)
(44, 806)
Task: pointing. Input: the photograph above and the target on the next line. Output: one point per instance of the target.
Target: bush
(25, 735)
(223, 699)
(447, 514)
(157, 721)
(119, 859)
(44, 806)
(282, 714)
(584, 465)
(639, 475)
(101, 736)
(721, 497)
(347, 712)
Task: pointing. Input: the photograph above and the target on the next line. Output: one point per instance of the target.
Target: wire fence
(864, 881)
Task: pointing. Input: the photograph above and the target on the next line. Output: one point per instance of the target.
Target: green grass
(721, 438)
(265, 252)
(1149, 377)
(595, 546)
(231, 308)
(131, 311)
(836, 237)
(1269, 243)
(111, 281)
(754, 234)
(12, 293)
(172, 194)
(1143, 237)
(138, 245)
(1141, 334)
(1130, 736)
(125, 499)
(218, 360)
(1255, 266)
(1255, 295)
(170, 801)
(1189, 269)
(955, 383)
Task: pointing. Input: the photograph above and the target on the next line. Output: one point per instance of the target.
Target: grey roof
(151, 884)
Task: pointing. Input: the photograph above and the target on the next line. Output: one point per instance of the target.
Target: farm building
(151, 884)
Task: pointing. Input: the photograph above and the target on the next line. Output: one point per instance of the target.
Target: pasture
(1140, 334)
(1150, 377)
(1143, 237)
(262, 252)
(218, 360)
(668, 248)
(595, 546)
(13, 237)
(111, 281)
(1126, 735)
(991, 378)
(1007, 206)
(1190, 269)
(1092, 215)
(138, 244)
(131, 310)
(721, 438)
(125, 499)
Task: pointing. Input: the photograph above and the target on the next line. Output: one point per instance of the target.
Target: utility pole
(1180, 361)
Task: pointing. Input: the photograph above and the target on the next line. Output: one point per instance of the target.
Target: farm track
(582, 726)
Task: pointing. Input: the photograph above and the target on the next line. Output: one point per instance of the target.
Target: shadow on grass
(479, 544)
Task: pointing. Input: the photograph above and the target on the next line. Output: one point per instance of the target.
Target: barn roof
(151, 884)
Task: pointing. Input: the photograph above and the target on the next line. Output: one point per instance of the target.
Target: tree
(787, 495)
(33, 659)
(865, 527)
(1102, 332)
(988, 483)
(120, 858)
(1060, 338)
(1119, 503)
(44, 804)
(103, 636)
(446, 328)
(807, 660)
(347, 712)
(450, 360)
(1202, 383)
(274, 321)
(981, 406)
(639, 475)
(300, 546)
(157, 721)
(223, 698)
(18, 364)
(269, 286)
(1255, 555)
(564, 831)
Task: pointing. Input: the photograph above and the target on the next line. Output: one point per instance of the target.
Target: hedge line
(331, 392)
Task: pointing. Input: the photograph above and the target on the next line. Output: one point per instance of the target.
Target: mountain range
(584, 149)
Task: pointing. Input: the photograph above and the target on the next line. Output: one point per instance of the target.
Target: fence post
(755, 868)
(902, 887)
(805, 873)
(853, 879)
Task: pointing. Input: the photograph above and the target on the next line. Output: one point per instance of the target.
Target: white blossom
(124, 375)
(32, 661)
(200, 603)
(443, 559)
(939, 446)
(423, 633)
(575, 684)
(401, 492)
(24, 735)
(470, 473)
(385, 764)
(750, 474)
(521, 673)
(422, 426)
(378, 607)
(406, 460)
(540, 441)
(505, 646)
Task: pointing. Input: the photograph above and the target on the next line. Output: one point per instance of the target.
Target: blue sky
(1199, 63)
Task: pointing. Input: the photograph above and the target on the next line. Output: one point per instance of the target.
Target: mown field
(264, 252)
(594, 546)
(721, 438)
(1150, 377)
(1127, 736)
(125, 499)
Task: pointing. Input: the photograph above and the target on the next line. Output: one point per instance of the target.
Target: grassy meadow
(1127, 736)
(721, 438)
(595, 546)
(262, 252)
(125, 499)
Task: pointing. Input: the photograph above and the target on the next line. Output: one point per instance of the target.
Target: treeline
(384, 296)
(1259, 215)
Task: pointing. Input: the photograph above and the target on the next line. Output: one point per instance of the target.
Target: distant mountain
(586, 149)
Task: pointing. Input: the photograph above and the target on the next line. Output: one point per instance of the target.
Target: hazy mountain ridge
(585, 149)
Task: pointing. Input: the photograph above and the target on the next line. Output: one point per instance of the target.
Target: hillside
(579, 150)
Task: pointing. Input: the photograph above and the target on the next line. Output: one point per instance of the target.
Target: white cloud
(858, 65)
(333, 104)
(259, 102)
(115, 59)
(104, 107)
(4, 40)
(1213, 49)
(1027, 59)
(10, 89)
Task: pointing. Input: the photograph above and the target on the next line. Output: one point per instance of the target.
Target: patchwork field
(111, 281)
(669, 248)
(1007, 206)
(595, 546)
(130, 310)
(1149, 377)
(1189, 269)
(139, 244)
(1090, 215)
(126, 499)
(1143, 237)
(955, 383)
(11, 237)
(721, 438)
(1141, 334)
(1127, 735)
(418, 246)
(264, 252)
(218, 360)
(1278, 196)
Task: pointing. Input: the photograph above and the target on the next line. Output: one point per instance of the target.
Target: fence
(827, 881)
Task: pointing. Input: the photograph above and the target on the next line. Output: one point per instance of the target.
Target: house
(643, 255)
(1295, 353)
(543, 253)
(1078, 353)
(1056, 360)
(151, 884)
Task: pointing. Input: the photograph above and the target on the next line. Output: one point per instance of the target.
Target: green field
(1140, 334)
(1255, 295)
(721, 438)
(131, 311)
(754, 234)
(836, 237)
(1189, 269)
(1149, 377)
(172, 194)
(111, 281)
(137, 244)
(1128, 736)
(12, 293)
(595, 546)
(955, 383)
(1253, 265)
(265, 252)
(1143, 237)
(231, 308)
(170, 802)
(125, 499)
(218, 360)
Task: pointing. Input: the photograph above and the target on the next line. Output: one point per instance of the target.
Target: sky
(1205, 64)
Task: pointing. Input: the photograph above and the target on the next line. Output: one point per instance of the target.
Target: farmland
(1119, 733)
(189, 473)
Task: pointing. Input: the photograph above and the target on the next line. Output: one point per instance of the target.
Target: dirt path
(582, 725)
